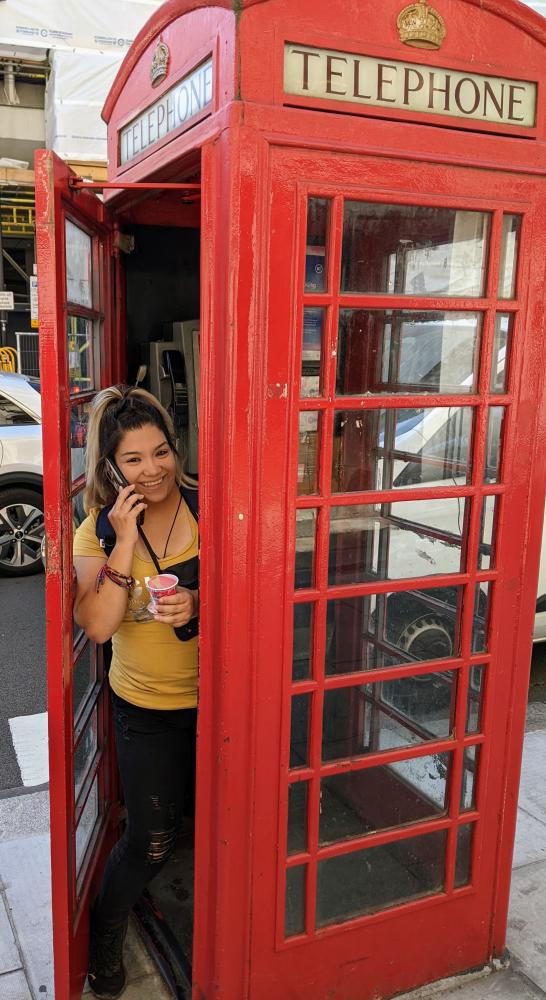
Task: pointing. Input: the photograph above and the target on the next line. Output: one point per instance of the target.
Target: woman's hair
(113, 412)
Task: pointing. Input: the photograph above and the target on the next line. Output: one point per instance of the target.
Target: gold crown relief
(160, 64)
(422, 26)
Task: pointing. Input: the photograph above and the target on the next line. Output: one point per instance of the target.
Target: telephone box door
(74, 251)
(395, 597)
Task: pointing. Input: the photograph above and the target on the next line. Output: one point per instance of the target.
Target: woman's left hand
(177, 609)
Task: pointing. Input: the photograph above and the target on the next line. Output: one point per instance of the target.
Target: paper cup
(162, 585)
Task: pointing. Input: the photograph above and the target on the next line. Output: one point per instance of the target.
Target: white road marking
(29, 735)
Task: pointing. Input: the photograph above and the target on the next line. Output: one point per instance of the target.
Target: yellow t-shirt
(150, 666)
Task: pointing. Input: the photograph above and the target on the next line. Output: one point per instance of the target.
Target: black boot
(106, 975)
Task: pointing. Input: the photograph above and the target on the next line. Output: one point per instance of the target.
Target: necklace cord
(172, 527)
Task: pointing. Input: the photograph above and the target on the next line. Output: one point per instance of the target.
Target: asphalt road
(22, 663)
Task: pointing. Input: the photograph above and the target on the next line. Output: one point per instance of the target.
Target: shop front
(323, 236)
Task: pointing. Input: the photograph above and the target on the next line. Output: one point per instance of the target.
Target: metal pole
(3, 319)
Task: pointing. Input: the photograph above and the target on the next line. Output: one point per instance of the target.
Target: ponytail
(113, 412)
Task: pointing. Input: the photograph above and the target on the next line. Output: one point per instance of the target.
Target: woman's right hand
(124, 513)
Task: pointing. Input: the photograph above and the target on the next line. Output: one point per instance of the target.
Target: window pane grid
(321, 593)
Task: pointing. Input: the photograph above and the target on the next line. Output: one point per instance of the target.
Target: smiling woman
(133, 470)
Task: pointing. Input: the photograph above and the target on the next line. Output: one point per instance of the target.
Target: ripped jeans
(156, 758)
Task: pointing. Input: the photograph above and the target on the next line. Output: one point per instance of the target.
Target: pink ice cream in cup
(162, 585)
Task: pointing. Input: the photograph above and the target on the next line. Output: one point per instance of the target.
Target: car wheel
(21, 531)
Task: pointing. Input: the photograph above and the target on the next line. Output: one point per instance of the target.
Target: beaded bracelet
(120, 579)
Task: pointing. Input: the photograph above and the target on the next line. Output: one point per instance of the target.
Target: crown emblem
(160, 64)
(421, 26)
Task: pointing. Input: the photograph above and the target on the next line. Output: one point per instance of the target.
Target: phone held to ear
(118, 480)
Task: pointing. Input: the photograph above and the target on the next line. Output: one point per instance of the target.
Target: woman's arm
(100, 606)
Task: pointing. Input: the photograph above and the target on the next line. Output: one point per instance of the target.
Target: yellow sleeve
(86, 542)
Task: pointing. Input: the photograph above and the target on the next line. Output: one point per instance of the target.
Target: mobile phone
(118, 480)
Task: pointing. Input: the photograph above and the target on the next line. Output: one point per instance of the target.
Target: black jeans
(156, 758)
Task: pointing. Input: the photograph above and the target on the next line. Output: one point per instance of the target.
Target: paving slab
(26, 874)
(530, 845)
(532, 795)
(505, 985)
(526, 938)
(9, 953)
(14, 986)
(23, 815)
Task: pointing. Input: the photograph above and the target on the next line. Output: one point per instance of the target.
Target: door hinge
(123, 243)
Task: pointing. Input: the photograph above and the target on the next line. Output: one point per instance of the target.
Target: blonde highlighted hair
(114, 411)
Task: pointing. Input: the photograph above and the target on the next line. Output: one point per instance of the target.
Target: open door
(75, 258)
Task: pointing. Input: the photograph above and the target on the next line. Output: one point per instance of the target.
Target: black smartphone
(118, 480)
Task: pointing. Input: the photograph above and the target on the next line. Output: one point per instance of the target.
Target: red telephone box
(352, 200)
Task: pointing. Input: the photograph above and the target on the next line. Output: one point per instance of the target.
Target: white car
(21, 476)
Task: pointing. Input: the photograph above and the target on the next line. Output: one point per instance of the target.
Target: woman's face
(145, 459)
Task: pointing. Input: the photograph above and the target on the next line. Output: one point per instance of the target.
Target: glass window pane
(480, 625)
(313, 330)
(475, 699)
(373, 879)
(388, 715)
(504, 323)
(385, 630)
(303, 640)
(297, 817)
(84, 677)
(471, 763)
(79, 418)
(87, 824)
(11, 414)
(395, 541)
(413, 250)
(494, 443)
(299, 731)
(318, 223)
(511, 226)
(84, 754)
(308, 453)
(378, 798)
(295, 900)
(399, 449)
(79, 268)
(465, 837)
(395, 351)
(306, 521)
(79, 334)
(486, 559)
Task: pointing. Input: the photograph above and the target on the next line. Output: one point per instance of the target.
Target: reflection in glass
(388, 715)
(308, 453)
(78, 512)
(486, 558)
(469, 783)
(511, 226)
(299, 730)
(318, 222)
(413, 250)
(494, 441)
(373, 879)
(385, 630)
(379, 798)
(79, 418)
(79, 333)
(480, 624)
(395, 351)
(306, 521)
(313, 329)
(501, 351)
(398, 449)
(84, 754)
(297, 817)
(79, 269)
(465, 836)
(302, 645)
(295, 901)
(395, 541)
(83, 677)
(87, 823)
(475, 698)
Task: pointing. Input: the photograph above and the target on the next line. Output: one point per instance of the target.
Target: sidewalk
(26, 961)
